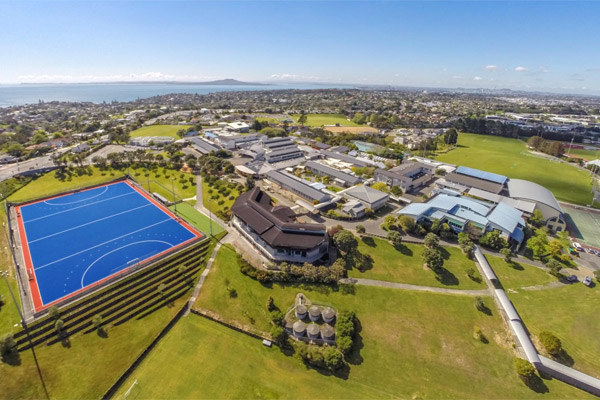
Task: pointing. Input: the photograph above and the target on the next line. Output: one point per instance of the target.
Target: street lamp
(173, 192)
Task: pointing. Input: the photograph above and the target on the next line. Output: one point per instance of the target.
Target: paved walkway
(406, 286)
(209, 264)
(200, 205)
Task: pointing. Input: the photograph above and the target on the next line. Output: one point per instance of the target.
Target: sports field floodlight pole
(209, 216)
(26, 329)
(173, 191)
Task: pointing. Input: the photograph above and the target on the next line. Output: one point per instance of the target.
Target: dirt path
(406, 286)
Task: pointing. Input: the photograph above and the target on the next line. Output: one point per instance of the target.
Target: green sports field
(159, 130)
(197, 219)
(510, 157)
(315, 120)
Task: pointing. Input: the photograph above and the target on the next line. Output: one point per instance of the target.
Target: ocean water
(14, 95)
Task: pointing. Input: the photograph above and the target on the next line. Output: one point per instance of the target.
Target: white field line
(89, 223)
(76, 201)
(100, 244)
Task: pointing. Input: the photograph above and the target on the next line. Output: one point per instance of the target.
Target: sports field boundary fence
(228, 325)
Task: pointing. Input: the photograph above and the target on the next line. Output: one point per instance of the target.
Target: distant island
(219, 82)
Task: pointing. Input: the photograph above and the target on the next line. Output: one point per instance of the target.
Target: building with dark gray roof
(467, 182)
(343, 157)
(297, 186)
(340, 177)
(275, 231)
(202, 146)
(408, 175)
(284, 153)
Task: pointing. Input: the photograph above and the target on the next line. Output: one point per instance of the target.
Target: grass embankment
(315, 120)
(518, 274)
(9, 316)
(197, 219)
(410, 344)
(165, 181)
(587, 155)
(571, 313)
(510, 157)
(406, 265)
(158, 130)
(48, 184)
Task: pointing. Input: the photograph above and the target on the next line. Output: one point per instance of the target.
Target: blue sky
(521, 45)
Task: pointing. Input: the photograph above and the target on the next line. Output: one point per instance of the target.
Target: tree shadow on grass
(12, 358)
(516, 265)
(536, 384)
(404, 250)
(444, 253)
(564, 358)
(369, 241)
(354, 358)
(102, 332)
(446, 277)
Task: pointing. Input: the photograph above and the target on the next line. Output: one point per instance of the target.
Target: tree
(555, 268)
(59, 325)
(8, 344)
(466, 244)
(53, 312)
(551, 343)
(555, 248)
(334, 360)
(406, 223)
(395, 237)
(524, 369)
(15, 149)
(479, 304)
(278, 335)
(432, 241)
(302, 118)
(344, 344)
(538, 242)
(250, 183)
(433, 259)
(161, 289)
(451, 136)
(359, 118)
(535, 142)
(270, 303)
(360, 229)
(389, 222)
(381, 186)
(537, 218)
(507, 254)
(493, 240)
(396, 190)
(345, 241)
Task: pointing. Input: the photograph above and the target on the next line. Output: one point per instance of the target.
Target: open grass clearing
(518, 274)
(510, 157)
(571, 313)
(406, 265)
(9, 315)
(211, 200)
(411, 344)
(197, 219)
(166, 181)
(316, 120)
(158, 130)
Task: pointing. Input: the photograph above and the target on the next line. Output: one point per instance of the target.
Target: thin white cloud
(521, 69)
(577, 77)
(592, 70)
(458, 77)
(477, 78)
(293, 77)
(132, 77)
(490, 67)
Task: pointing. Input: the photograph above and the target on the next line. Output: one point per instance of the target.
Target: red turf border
(38, 304)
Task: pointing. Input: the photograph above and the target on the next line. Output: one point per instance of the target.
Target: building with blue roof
(479, 174)
(458, 211)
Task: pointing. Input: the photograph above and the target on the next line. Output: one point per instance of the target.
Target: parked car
(587, 281)
(577, 246)
(572, 278)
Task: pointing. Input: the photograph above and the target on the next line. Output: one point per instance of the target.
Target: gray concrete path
(200, 205)
(209, 264)
(406, 286)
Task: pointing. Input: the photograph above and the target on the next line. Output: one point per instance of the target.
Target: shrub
(232, 292)
(7, 344)
(432, 241)
(479, 304)
(53, 312)
(270, 303)
(277, 317)
(344, 344)
(478, 334)
(493, 240)
(554, 267)
(406, 223)
(334, 360)
(360, 229)
(278, 335)
(524, 369)
(471, 274)
(507, 254)
(551, 343)
(395, 237)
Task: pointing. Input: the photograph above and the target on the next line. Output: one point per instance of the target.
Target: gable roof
(366, 193)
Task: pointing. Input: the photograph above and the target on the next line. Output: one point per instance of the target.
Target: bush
(232, 292)
(479, 304)
(7, 344)
(493, 240)
(471, 274)
(406, 223)
(360, 229)
(278, 335)
(432, 241)
(478, 334)
(270, 303)
(334, 360)
(53, 312)
(524, 369)
(277, 317)
(395, 237)
(551, 343)
(344, 344)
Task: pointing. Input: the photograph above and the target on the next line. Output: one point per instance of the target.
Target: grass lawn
(158, 130)
(510, 157)
(197, 219)
(582, 153)
(89, 366)
(164, 181)
(411, 344)
(571, 313)
(406, 265)
(48, 184)
(9, 316)
(213, 204)
(325, 119)
(522, 275)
